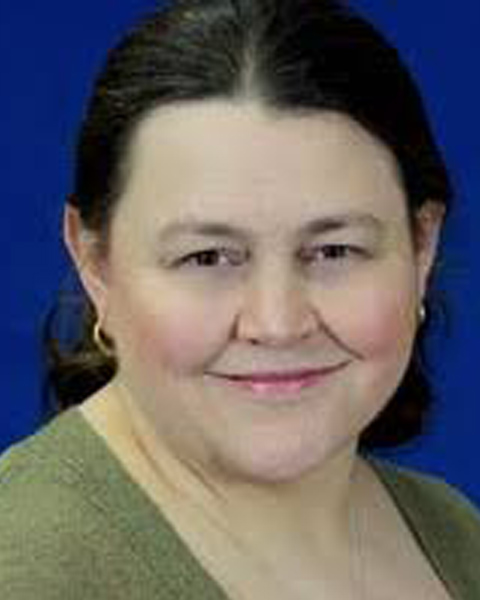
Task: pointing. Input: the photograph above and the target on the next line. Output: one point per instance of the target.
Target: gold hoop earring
(103, 343)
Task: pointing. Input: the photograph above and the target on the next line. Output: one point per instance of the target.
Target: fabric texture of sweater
(74, 525)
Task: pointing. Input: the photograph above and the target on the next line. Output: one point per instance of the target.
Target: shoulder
(46, 467)
(444, 522)
(57, 539)
(424, 488)
(435, 509)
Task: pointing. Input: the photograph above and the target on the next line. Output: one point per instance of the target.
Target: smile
(280, 383)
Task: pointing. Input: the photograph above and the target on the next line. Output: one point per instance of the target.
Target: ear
(428, 225)
(83, 247)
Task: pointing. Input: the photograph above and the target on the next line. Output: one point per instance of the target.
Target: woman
(255, 220)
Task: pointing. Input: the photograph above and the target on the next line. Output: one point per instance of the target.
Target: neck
(312, 509)
(318, 500)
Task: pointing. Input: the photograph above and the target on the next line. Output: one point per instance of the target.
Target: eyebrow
(218, 229)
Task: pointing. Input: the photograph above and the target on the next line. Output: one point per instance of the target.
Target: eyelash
(189, 259)
(346, 251)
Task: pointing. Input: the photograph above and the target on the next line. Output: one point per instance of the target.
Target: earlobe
(82, 246)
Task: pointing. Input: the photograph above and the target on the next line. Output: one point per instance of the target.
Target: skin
(273, 297)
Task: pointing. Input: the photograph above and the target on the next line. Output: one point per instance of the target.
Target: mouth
(271, 382)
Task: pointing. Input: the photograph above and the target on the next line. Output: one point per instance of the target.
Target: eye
(212, 257)
(335, 252)
(338, 251)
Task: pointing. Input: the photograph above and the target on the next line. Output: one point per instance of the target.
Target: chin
(274, 464)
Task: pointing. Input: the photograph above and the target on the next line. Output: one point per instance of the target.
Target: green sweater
(75, 526)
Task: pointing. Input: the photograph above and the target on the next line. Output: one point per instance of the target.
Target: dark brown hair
(293, 56)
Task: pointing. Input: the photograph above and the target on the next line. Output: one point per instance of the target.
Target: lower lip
(266, 388)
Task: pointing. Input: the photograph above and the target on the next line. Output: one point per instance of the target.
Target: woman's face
(248, 242)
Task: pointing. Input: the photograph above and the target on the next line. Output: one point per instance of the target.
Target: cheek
(381, 323)
(174, 334)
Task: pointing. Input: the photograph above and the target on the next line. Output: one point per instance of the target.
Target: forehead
(238, 160)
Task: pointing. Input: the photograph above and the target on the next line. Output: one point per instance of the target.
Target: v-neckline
(109, 475)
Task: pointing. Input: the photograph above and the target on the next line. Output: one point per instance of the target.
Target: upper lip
(280, 375)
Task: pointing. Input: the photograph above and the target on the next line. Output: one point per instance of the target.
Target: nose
(277, 313)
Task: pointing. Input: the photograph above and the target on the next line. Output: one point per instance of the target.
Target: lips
(280, 385)
(281, 376)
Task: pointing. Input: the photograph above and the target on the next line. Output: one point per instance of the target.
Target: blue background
(48, 54)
